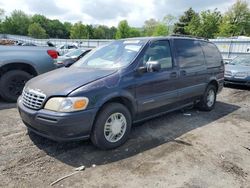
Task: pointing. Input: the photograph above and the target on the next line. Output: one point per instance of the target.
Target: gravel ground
(186, 148)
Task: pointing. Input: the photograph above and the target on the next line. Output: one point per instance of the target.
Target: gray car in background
(20, 63)
(238, 71)
(71, 57)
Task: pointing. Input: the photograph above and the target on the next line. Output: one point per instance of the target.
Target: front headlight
(67, 104)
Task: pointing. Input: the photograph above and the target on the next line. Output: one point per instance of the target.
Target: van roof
(175, 36)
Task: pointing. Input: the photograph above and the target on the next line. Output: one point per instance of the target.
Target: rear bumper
(58, 126)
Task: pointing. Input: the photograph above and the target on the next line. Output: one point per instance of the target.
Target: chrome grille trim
(33, 99)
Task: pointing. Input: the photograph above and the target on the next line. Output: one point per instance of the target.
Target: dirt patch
(232, 168)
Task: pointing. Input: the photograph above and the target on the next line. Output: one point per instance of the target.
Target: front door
(156, 90)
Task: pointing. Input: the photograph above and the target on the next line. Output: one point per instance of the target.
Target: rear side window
(188, 53)
(212, 54)
(159, 51)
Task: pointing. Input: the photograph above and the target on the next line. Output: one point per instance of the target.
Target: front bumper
(237, 81)
(58, 126)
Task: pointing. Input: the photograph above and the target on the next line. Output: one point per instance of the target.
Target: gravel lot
(204, 149)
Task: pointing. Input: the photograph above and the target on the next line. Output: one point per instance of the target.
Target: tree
(204, 25)
(1, 14)
(112, 32)
(123, 30)
(150, 26)
(99, 32)
(79, 31)
(236, 20)
(42, 20)
(56, 29)
(169, 20)
(104, 32)
(35, 30)
(134, 32)
(225, 28)
(67, 26)
(184, 21)
(1, 17)
(17, 23)
(161, 30)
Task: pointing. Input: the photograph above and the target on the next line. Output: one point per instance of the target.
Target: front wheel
(208, 100)
(112, 126)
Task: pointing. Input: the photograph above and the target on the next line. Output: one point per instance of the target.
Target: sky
(110, 12)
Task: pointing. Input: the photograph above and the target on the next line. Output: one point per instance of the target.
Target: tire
(12, 83)
(103, 140)
(206, 103)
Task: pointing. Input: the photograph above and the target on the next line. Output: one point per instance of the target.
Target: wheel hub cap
(210, 98)
(115, 127)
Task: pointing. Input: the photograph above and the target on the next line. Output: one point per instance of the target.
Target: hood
(237, 68)
(62, 81)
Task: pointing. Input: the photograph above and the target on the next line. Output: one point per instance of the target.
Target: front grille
(33, 99)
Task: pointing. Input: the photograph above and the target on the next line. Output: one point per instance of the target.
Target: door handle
(173, 74)
(183, 73)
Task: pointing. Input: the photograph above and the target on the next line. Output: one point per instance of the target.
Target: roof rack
(188, 36)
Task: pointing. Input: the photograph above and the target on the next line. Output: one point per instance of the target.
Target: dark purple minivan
(123, 82)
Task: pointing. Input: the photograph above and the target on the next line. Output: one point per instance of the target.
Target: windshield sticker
(131, 41)
(135, 48)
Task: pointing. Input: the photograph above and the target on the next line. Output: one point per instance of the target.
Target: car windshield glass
(74, 53)
(241, 61)
(114, 55)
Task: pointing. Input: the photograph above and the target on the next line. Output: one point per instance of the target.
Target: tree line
(208, 23)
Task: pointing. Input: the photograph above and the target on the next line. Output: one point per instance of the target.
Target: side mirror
(153, 66)
(69, 62)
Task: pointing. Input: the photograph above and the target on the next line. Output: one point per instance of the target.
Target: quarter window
(212, 54)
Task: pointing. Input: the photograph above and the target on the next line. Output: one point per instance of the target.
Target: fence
(229, 48)
(88, 43)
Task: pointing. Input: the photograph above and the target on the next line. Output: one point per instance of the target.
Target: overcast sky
(110, 12)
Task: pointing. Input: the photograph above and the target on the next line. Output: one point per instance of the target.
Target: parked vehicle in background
(28, 44)
(24, 44)
(237, 71)
(71, 57)
(20, 63)
(65, 48)
(126, 81)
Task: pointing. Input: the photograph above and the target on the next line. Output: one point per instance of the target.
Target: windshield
(74, 53)
(114, 55)
(243, 60)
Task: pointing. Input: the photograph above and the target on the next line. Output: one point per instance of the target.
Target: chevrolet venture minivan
(126, 81)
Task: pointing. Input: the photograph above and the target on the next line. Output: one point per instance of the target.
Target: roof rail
(188, 36)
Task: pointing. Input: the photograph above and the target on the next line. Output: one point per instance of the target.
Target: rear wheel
(208, 100)
(12, 83)
(112, 126)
